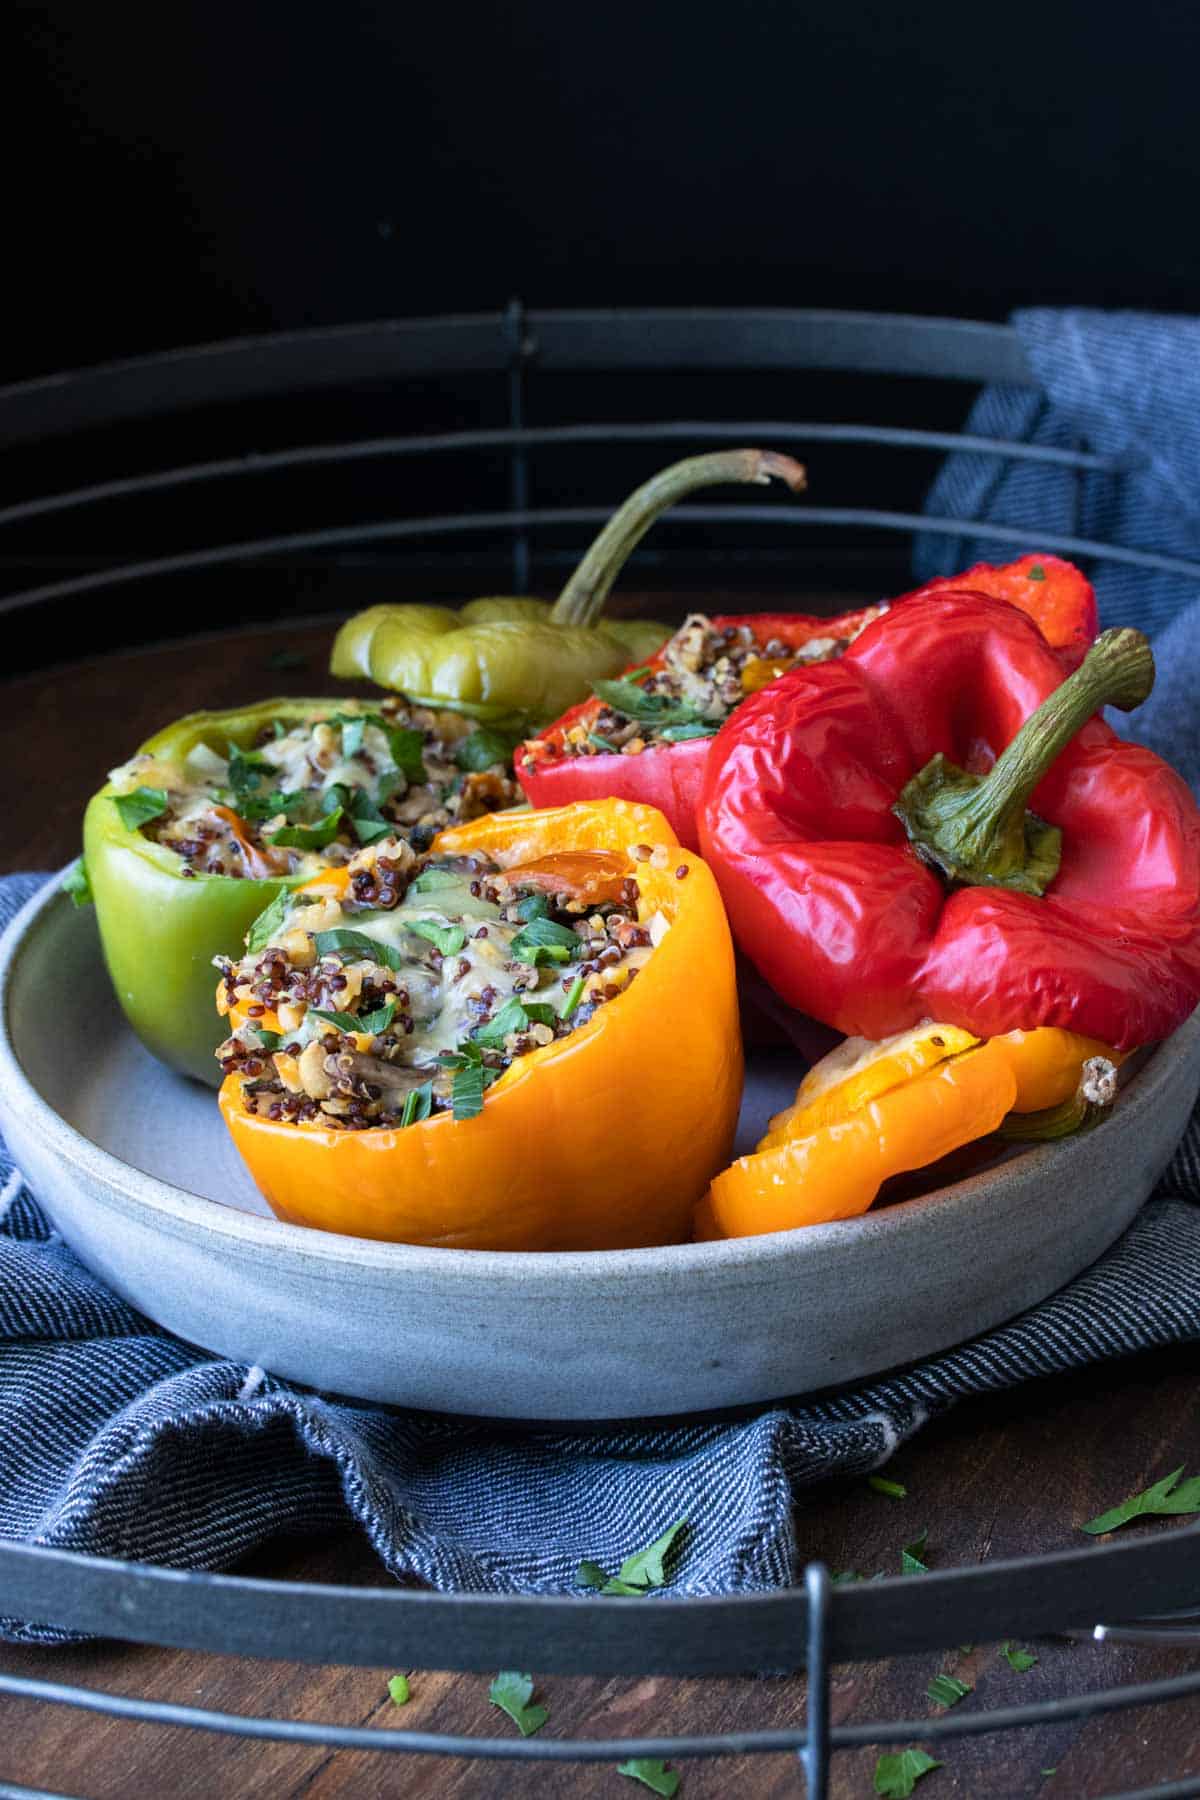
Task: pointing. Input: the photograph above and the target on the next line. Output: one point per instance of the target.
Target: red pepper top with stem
(876, 874)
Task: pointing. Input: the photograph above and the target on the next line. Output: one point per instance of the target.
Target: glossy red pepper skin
(1055, 594)
(846, 923)
(1058, 597)
(668, 776)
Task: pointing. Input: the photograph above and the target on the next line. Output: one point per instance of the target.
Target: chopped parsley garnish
(379, 1021)
(356, 946)
(1037, 573)
(354, 728)
(514, 1015)
(398, 1690)
(542, 940)
(679, 734)
(647, 708)
(1161, 1500)
(603, 744)
(268, 1040)
(912, 1556)
(138, 808)
(406, 747)
(897, 1773)
(448, 939)
(269, 921)
(533, 906)
(1020, 1660)
(482, 750)
(309, 837)
(895, 1490)
(573, 996)
(653, 1773)
(947, 1690)
(247, 770)
(512, 1692)
(644, 1570)
(368, 829)
(75, 883)
(343, 1021)
(471, 1079)
(418, 1104)
(429, 879)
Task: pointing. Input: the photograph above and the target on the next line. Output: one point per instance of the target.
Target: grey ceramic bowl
(137, 1171)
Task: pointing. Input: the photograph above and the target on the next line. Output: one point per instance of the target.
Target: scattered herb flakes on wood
(398, 1690)
(652, 1773)
(644, 1570)
(895, 1490)
(947, 1690)
(898, 1772)
(1160, 1501)
(512, 1692)
(1020, 1660)
(912, 1556)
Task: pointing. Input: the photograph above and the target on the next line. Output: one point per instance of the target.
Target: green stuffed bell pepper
(218, 815)
(520, 662)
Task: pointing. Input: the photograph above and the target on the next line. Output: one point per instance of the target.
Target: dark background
(188, 172)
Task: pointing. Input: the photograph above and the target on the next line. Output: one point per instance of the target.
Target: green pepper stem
(1092, 1101)
(582, 600)
(976, 830)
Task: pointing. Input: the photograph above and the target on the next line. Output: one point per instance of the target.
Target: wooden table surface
(1001, 1477)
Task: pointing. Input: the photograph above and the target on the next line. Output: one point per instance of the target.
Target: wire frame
(816, 1623)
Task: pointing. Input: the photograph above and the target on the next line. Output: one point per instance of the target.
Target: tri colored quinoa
(308, 795)
(690, 689)
(407, 985)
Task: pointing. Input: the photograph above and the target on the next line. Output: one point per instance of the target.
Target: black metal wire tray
(815, 1624)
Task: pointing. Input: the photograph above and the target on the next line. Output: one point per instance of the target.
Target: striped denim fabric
(1125, 385)
(118, 1440)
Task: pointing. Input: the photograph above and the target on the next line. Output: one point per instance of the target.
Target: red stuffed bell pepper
(648, 738)
(876, 876)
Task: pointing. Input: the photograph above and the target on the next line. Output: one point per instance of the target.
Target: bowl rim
(47, 910)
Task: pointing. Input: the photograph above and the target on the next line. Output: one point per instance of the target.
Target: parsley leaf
(541, 940)
(896, 1775)
(680, 734)
(912, 1556)
(269, 921)
(895, 1490)
(354, 728)
(603, 744)
(482, 750)
(643, 1570)
(418, 1104)
(75, 883)
(343, 1021)
(356, 946)
(511, 1692)
(430, 879)
(1019, 1660)
(268, 1040)
(573, 996)
(514, 1015)
(449, 939)
(309, 837)
(466, 1091)
(1161, 1500)
(369, 830)
(398, 1690)
(649, 709)
(653, 1773)
(247, 770)
(1037, 573)
(406, 747)
(947, 1690)
(138, 808)
(377, 1022)
(533, 906)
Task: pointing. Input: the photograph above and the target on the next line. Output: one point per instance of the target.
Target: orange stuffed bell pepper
(525, 1040)
(870, 1111)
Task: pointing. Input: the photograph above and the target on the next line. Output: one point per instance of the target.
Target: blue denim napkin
(1127, 386)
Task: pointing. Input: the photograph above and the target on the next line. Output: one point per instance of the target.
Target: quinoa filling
(705, 672)
(415, 987)
(305, 795)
